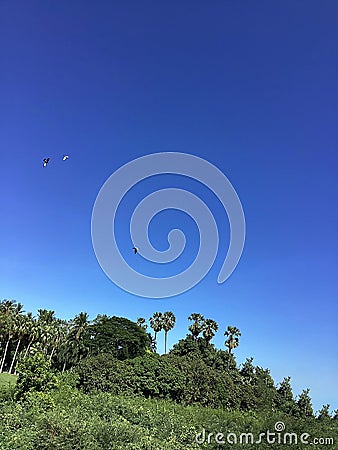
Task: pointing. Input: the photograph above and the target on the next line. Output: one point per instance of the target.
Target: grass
(7, 380)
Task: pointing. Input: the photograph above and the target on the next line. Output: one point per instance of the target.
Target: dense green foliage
(192, 378)
(65, 343)
(118, 336)
(35, 375)
(99, 421)
(104, 373)
(100, 384)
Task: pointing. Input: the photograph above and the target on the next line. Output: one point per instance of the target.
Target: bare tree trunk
(14, 357)
(165, 342)
(4, 356)
(27, 349)
(64, 367)
(51, 355)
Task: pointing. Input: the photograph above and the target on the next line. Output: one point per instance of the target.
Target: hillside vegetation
(65, 418)
(102, 385)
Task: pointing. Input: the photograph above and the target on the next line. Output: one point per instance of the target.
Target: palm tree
(63, 348)
(46, 335)
(9, 310)
(210, 328)
(20, 331)
(46, 316)
(9, 332)
(232, 341)
(32, 331)
(58, 334)
(79, 325)
(197, 326)
(76, 337)
(168, 323)
(46, 324)
(156, 323)
(141, 322)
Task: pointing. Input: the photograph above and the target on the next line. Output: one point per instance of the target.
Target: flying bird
(45, 162)
(135, 250)
(65, 157)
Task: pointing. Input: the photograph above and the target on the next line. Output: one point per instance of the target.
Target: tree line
(65, 343)
(117, 355)
(207, 327)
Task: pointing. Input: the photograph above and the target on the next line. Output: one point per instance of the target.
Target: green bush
(204, 385)
(104, 373)
(154, 376)
(35, 374)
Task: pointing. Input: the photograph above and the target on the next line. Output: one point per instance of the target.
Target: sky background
(249, 86)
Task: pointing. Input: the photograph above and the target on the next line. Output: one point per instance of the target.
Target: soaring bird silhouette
(65, 157)
(45, 162)
(135, 250)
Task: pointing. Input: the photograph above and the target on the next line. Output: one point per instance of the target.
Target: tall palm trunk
(4, 355)
(14, 357)
(28, 347)
(165, 341)
(51, 355)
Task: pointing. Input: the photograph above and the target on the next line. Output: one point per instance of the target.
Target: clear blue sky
(249, 86)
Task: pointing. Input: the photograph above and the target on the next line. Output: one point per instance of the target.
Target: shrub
(35, 374)
(104, 373)
(205, 385)
(156, 377)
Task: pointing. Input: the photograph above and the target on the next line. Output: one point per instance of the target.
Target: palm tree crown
(232, 342)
